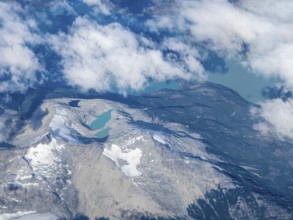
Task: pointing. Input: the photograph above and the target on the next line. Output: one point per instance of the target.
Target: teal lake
(103, 133)
(100, 123)
(101, 120)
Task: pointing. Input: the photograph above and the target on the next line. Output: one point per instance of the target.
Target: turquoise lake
(101, 120)
(100, 123)
(103, 133)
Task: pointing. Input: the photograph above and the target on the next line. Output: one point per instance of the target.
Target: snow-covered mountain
(173, 154)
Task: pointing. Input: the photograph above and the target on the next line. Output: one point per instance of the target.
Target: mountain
(190, 153)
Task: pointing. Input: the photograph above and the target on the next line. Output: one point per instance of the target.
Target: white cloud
(98, 57)
(162, 22)
(101, 6)
(18, 63)
(187, 53)
(277, 118)
(58, 8)
(264, 25)
(281, 11)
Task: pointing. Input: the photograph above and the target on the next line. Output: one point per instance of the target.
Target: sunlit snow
(132, 157)
(42, 156)
(59, 127)
(159, 138)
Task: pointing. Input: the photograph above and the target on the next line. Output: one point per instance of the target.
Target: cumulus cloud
(59, 8)
(266, 32)
(264, 26)
(160, 23)
(18, 63)
(101, 6)
(97, 57)
(277, 118)
(281, 11)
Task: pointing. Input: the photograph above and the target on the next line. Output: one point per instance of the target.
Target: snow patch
(132, 157)
(29, 184)
(44, 216)
(159, 138)
(59, 127)
(42, 156)
(133, 140)
(11, 216)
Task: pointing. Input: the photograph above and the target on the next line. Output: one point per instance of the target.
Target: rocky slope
(172, 154)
